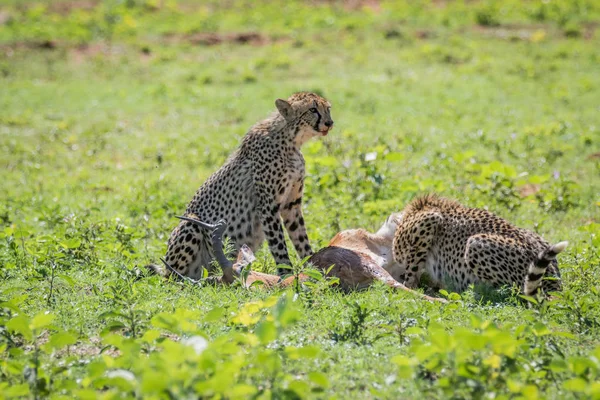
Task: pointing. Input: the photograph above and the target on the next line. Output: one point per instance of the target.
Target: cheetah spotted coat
(460, 246)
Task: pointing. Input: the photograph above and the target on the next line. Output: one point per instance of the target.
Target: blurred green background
(112, 114)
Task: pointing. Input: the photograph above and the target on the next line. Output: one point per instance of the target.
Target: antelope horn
(204, 225)
(217, 231)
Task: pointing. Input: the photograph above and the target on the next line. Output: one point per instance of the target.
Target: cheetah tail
(538, 269)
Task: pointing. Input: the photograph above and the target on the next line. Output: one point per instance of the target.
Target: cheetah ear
(284, 108)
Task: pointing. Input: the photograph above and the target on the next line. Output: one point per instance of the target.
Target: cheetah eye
(313, 110)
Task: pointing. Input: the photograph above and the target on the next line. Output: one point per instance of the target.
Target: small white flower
(121, 373)
(371, 156)
(198, 343)
(390, 379)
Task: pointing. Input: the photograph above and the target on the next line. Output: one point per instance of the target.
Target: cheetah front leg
(413, 242)
(271, 224)
(294, 221)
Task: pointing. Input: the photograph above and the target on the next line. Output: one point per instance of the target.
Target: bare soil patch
(594, 156)
(87, 51)
(512, 32)
(214, 39)
(529, 189)
(67, 7)
(353, 5)
(4, 17)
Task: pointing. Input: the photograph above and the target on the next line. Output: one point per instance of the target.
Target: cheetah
(259, 185)
(461, 246)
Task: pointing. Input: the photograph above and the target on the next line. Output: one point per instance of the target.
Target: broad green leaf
(72, 243)
(9, 230)
(214, 314)
(539, 179)
(165, 321)
(514, 386)
(61, 339)
(121, 379)
(319, 378)
(327, 161)
(17, 391)
(113, 326)
(266, 331)
(404, 361)
(20, 325)
(314, 274)
(296, 353)
(242, 391)
(112, 314)
(67, 279)
(540, 329)
(96, 369)
(150, 335)
(567, 335)
(23, 233)
(444, 382)
(395, 156)
(424, 352)
(579, 365)
(86, 394)
(153, 382)
(558, 365)
(493, 361)
(454, 296)
(464, 156)
(415, 330)
(529, 298)
(41, 320)
(577, 385)
(247, 316)
(530, 392)
(301, 388)
(286, 312)
(113, 340)
(14, 367)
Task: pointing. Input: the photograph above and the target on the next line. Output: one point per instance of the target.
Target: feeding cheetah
(260, 184)
(460, 245)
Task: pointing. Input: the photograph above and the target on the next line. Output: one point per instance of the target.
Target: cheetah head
(309, 112)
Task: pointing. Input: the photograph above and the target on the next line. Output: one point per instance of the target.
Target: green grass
(112, 115)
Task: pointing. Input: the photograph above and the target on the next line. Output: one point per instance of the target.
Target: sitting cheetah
(258, 185)
(460, 245)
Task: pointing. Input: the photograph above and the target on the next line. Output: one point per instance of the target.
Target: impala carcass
(356, 257)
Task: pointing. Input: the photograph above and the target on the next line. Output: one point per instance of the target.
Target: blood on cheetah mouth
(324, 132)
